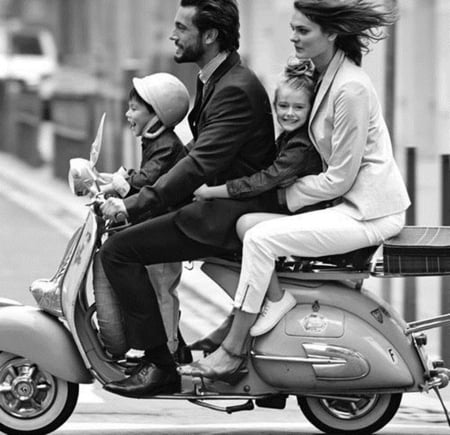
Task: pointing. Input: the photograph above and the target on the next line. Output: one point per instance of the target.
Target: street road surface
(31, 248)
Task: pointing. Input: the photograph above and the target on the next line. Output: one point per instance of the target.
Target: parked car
(27, 54)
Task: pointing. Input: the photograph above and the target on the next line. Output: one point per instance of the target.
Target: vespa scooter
(346, 355)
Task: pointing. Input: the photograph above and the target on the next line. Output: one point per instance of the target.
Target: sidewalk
(38, 191)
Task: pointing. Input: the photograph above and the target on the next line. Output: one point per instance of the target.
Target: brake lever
(121, 216)
(96, 203)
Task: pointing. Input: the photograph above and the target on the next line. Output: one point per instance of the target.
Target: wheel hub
(25, 391)
(22, 388)
(349, 409)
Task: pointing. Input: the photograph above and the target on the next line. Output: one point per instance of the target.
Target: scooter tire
(334, 416)
(32, 401)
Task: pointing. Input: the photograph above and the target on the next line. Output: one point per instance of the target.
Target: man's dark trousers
(155, 241)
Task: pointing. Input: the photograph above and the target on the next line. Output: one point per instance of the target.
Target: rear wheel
(32, 400)
(352, 415)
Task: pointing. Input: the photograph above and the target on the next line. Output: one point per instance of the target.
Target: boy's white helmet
(166, 94)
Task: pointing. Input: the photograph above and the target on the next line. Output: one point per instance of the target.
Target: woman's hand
(203, 192)
(210, 192)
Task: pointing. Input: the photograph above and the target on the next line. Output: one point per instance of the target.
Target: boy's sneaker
(272, 313)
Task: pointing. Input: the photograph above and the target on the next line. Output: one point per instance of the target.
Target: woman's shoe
(232, 376)
(272, 313)
(211, 342)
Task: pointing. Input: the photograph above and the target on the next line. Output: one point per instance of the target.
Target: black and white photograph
(224, 217)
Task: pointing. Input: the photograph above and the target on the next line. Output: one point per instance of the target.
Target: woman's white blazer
(346, 126)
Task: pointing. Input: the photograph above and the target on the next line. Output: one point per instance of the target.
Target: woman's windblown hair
(355, 22)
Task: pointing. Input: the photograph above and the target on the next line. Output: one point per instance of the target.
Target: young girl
(296, 158)
(296, 155)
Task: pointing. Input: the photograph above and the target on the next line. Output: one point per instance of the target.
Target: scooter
(346, 355)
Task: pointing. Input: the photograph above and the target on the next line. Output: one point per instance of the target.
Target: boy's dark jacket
(158, 156)
(233, 137)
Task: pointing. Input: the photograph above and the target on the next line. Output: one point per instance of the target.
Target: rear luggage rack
(417, 251)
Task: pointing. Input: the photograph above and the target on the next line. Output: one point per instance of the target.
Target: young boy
(156, 104)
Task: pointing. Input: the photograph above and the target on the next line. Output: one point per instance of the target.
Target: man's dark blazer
(233, 137)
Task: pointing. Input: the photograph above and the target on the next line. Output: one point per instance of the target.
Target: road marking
(96, 427)
(186, 428)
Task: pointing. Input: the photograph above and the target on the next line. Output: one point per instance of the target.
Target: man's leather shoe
(148, 381)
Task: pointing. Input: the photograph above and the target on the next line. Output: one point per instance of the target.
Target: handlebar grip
(121, 217)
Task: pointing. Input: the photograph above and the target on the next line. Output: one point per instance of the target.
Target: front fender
(41, 338)
(7, 302)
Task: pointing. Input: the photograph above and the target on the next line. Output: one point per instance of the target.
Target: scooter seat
(353, 261)
(357, 260)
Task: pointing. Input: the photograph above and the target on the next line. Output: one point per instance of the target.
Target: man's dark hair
(222, 15)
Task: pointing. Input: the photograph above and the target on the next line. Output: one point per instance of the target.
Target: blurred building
(109, 38)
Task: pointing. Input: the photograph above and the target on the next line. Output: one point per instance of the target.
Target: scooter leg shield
(33, 334)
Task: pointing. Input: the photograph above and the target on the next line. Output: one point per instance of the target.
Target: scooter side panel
(33, 334)
(336, 323)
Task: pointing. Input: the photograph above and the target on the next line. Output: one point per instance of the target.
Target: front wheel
(32, 401)
(352, 415)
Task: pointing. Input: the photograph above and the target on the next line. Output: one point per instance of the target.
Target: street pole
(389, 98)
(445, 282)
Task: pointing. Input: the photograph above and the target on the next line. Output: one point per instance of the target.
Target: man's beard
(191, 54)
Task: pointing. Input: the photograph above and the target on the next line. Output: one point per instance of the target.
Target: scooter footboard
(35, 335)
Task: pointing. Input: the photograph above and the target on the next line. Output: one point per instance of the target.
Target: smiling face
(138, 116)
(187, 38)
(310, 42)
(292, 107)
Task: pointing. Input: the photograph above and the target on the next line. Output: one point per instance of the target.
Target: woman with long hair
(347, 128)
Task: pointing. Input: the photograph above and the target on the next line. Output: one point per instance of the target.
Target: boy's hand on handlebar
(114, 209)
(104, 177)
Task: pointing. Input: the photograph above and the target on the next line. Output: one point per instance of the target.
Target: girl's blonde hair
(298, 74)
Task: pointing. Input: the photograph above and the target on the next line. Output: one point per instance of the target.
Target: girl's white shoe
(272, 313)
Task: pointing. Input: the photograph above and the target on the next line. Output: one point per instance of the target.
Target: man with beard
(233, 136)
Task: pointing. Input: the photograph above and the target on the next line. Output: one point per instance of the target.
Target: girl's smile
(292, 107)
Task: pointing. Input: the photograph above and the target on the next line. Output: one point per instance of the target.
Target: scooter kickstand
(247, 406)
